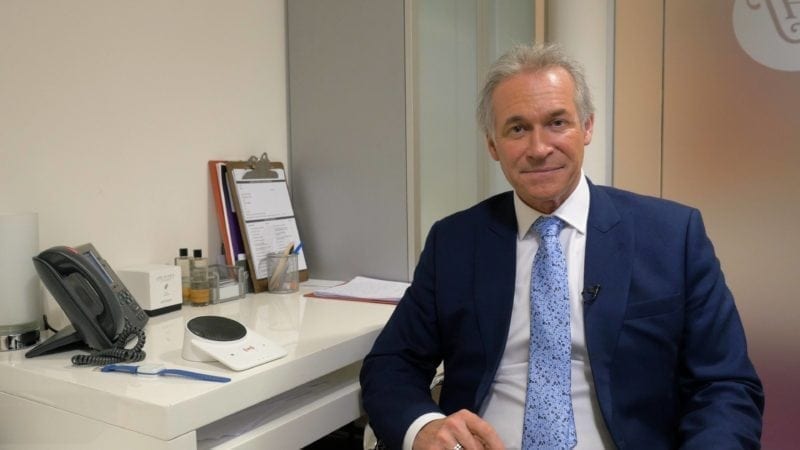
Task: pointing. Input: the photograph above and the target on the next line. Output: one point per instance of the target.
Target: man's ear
(588, 129)
(492, 149)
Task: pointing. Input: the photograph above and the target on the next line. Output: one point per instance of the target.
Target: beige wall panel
(731, 134)
(637, 95)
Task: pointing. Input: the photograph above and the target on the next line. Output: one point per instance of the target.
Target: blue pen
(297, 249)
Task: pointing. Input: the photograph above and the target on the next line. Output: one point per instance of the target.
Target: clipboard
(265, 214)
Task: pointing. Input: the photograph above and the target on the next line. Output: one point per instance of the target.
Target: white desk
(45, 402)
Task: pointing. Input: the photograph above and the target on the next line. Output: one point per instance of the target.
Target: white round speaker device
(216, 338)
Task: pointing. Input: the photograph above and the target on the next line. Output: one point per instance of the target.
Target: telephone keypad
(134, 312)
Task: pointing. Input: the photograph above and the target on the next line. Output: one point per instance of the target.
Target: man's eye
(516, 129)
(558, 123)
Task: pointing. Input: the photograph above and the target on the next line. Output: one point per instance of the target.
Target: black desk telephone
(104, 315)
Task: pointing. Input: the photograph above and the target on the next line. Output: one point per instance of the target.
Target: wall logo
(769, 31)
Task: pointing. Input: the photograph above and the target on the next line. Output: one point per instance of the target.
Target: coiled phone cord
(118, 353)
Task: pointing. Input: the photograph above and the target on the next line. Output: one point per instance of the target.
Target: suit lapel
(609, 250)
(495, 272)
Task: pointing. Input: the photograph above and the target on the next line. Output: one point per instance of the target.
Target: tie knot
(548, 226)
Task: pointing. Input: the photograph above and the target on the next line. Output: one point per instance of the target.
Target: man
(651, 354)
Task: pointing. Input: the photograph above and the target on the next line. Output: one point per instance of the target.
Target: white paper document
(367, 289)
(269, 220)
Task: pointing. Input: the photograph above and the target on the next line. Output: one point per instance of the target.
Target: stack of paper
(365, 289)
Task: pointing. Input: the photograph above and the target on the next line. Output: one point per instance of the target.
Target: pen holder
(283, 275)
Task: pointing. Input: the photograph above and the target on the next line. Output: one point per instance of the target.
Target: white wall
(110, 110)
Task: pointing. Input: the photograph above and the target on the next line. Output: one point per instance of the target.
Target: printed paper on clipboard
(267, 220)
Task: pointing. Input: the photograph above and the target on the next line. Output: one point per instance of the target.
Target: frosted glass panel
(453, 42)
(446, 84)
(511, 22)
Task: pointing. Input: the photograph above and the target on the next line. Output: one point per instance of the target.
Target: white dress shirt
(504, 406)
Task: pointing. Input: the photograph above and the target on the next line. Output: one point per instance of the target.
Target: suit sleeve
(722, 397)
(397, 373)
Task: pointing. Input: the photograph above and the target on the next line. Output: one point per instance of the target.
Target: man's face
(539, 138)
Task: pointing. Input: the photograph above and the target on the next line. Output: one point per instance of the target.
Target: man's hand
(463, 427)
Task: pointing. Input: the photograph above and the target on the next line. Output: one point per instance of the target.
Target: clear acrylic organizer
(227, 282)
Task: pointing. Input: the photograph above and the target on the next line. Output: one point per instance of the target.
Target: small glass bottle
(199, 285)
(241, 264)
(182, 261)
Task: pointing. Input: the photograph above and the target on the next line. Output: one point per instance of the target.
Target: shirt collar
(574, 211)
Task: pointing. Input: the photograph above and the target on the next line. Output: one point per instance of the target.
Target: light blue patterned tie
(549, 423)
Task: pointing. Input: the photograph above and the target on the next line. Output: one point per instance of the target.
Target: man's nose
(538, 144)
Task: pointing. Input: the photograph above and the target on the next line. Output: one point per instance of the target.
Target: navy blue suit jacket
(665, 341)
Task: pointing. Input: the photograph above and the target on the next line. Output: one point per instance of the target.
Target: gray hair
(531, 58)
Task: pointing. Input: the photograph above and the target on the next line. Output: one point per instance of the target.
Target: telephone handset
(98, 305)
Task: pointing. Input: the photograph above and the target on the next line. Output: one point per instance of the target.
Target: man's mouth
(542, 170)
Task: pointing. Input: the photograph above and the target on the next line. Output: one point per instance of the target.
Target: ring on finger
(458, 446)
